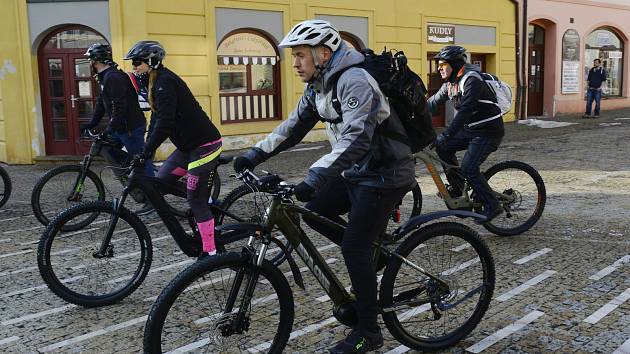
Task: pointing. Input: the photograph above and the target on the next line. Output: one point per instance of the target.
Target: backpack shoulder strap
(468, 74)
(132, 77)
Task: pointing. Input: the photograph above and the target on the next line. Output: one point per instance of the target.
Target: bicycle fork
(238, 322)
(77, 188)
(106, 250)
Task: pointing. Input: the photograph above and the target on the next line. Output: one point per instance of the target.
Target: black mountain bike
(110, 256)
(5, 186)
(68, 185)
(435, 288)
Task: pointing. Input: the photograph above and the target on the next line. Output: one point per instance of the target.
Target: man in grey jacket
(365, 174)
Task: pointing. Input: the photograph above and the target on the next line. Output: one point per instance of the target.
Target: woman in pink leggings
(177, 115)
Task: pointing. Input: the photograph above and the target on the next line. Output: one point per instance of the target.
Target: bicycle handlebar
(270, 183)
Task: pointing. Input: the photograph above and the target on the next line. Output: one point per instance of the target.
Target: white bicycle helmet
(312, 33)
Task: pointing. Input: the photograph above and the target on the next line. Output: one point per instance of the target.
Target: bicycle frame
(154, 188)
(430, 160)
(282, 215)
(98, 148)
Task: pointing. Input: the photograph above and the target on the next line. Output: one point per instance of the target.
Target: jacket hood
(467, 68)
(342, 58)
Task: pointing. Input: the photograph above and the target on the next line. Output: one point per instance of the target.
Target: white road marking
(398, 350)
(93, 334)
(504, 332)
(528, 284)
(9, 340)
(20, 230)
(611, 268)
(608, 308)
(624, 349)
(462, 266)
(23, 270)
(461, 247)
(33, 288)
(295, 334)
(36, 315)
(15, 253)
(533, 256)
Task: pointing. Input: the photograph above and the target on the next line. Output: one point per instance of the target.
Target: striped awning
(248, 60)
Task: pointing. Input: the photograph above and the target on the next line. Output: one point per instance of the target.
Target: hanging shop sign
(441, 34)
(246, 48)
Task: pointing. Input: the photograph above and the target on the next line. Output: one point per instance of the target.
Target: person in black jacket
(177, 115)
(119, 101)
(477, 126)
(596, 77)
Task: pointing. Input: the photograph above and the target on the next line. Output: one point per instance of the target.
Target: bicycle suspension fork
(77, 188)
(107, 249)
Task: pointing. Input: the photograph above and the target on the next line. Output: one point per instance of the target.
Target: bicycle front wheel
(523, 197)
(58, 190)
(73, 269)
(424, 313)
(5, 187)
(191, 312)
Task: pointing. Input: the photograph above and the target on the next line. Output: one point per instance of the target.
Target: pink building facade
(563, 39)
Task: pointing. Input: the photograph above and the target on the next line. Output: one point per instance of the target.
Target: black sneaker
(146, 209)
(490, 211)
(359, 342)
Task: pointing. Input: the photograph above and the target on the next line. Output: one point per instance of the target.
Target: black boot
(490, 211)
(359, 341)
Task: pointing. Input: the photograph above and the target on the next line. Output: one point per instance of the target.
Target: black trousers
(369, 209)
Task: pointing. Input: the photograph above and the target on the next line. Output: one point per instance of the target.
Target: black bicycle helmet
(150, 51)
(100, 52)
(452, 54)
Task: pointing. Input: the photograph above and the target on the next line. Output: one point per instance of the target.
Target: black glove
(441, 139)
(85, 127)
(241, 163)
(304, 192)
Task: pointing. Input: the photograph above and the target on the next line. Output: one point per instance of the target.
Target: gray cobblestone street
(563, 286)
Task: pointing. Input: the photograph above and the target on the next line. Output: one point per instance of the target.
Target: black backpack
(406, 93)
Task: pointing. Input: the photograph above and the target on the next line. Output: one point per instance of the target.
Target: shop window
(606, 45)
(570, 62)
(249, 85)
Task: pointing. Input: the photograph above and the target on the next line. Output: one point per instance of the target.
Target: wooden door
(68, 88)
(434, 82)
(535, 71)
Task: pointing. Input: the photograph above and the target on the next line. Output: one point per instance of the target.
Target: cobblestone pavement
(561, 287)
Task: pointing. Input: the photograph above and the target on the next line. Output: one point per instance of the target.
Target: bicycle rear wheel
(5, 187)
(69, 265)
(191, 314)
(420, 312)
(56, 191)
(247, 205)
(524, 197)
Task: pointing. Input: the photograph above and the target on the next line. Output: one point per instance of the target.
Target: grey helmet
(100, 52)
(152, 52)
(452, 54)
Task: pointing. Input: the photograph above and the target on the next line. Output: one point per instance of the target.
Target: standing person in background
(177, 115)
(596, 77)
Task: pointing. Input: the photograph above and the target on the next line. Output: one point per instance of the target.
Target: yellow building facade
(226, 51)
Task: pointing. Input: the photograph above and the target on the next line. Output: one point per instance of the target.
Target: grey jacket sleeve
(438, 98)
(363, 108)
(288, 133)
